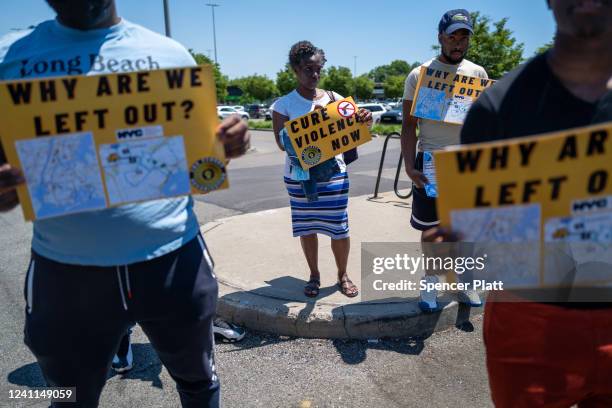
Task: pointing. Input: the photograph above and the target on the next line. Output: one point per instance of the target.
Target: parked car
(238, 108)
(395, 105)
(377, 110)
(392, 116)
(256, 110)
(267, 114)
(225, 111)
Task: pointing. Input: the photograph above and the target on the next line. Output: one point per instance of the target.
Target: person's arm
(408, 140)
(408, 137)
(10, 178)
(278, 123)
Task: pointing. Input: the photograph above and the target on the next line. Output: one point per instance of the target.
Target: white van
(377, 110)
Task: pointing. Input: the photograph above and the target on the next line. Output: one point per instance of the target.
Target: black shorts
(424, 211)
(77, 315)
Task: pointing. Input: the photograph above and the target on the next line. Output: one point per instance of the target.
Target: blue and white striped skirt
(327, 216)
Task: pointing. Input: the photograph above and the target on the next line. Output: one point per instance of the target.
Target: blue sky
(254, 36)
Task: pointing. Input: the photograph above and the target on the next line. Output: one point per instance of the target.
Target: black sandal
(348, 288)
(311, 289)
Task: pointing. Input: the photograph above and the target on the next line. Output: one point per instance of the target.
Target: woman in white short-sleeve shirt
(328, 215)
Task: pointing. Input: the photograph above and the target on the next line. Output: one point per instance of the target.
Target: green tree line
(493, 46)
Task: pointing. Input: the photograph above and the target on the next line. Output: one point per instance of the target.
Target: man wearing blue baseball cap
(454, 32)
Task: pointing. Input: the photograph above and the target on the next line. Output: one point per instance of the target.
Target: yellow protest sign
(90, 142)
(553, 189)
(446, 96)
(327, 132)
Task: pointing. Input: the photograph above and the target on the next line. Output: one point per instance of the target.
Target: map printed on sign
(430, 104)
(458, 108)
(588, 238)
(519, 223)
(63, 174)
(446, 96)
(551, 190)
(146, 169)
(86, 143)
(586, 228)
(509, 237)
(591, 232)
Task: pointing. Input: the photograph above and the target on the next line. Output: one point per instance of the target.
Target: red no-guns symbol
(346, 109)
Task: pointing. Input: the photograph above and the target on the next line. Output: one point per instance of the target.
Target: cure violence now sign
(327, 132)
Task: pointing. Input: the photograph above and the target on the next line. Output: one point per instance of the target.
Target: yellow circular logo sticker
(311, 155)
(207, 174)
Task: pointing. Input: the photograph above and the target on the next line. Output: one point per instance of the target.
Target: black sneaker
(228, 332)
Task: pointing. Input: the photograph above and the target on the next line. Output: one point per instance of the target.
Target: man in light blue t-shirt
(92, 274)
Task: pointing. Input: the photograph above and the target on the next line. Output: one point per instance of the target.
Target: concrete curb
(261, 279)
(336, 321)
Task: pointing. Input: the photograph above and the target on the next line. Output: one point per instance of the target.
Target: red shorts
(541, 355)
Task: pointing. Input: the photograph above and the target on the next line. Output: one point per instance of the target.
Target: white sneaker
(428, 301)
(469, 297)
(121, 364)
(228, 332)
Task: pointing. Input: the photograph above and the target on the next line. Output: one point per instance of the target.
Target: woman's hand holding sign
(365, 116)
(233, 132)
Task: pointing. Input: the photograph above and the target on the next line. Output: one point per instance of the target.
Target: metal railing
(390, 136)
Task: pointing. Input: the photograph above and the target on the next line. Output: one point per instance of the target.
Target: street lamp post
(167, 17)
(355, 75)
(212, 8)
